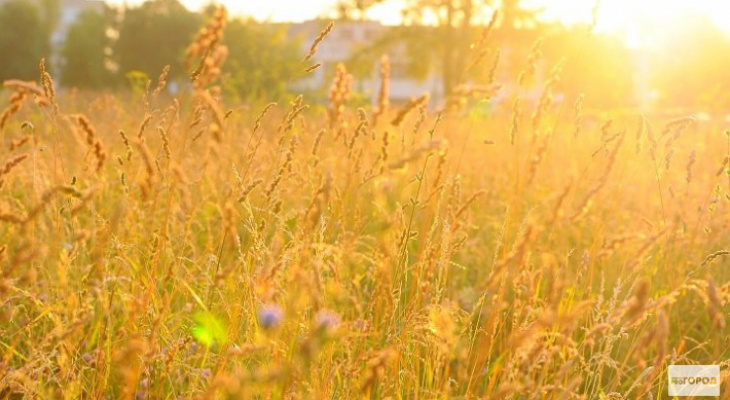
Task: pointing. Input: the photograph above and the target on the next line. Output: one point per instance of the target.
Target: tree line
(687, 69)
(105, 49)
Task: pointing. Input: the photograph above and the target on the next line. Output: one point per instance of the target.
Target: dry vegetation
(168, 248)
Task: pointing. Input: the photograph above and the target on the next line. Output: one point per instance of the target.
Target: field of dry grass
(162, 248)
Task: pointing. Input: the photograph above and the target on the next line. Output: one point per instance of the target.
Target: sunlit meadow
(158, 247)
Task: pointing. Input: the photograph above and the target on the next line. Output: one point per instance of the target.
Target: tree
(353, 9)
(85, 62)
(515, 16)
(23, 40)
(458, 23)
(261, 60)
(51, 13)
(154, 35)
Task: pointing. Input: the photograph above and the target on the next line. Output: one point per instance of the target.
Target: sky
(276, 10)
(613, 15)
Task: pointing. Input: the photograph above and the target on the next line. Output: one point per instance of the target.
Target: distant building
(344, 42)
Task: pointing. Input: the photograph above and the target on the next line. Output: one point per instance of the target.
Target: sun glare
(641, 22)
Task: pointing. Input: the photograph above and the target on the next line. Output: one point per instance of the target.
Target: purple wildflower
(270, 315)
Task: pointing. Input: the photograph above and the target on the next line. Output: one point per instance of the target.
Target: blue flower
(269, 316)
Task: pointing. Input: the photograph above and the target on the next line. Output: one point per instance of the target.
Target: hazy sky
(613, 15)
(278, 10)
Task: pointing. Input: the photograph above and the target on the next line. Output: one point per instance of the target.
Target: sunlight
(272, 10)
(426, 199)
(628, 17)
(275, 10)
(640, 23)
(296, 10)
(613, 15)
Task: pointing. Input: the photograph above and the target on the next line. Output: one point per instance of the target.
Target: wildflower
(327, 320)
(270, 316)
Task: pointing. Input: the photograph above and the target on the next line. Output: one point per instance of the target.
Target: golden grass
(301, 252)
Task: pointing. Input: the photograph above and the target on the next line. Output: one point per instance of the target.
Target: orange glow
(619, 15)
(640, 22)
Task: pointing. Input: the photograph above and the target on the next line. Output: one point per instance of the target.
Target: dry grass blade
(408, 107)
(712, 257)
(318, 40)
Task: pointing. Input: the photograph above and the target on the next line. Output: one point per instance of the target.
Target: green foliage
(23, 40)
(261, 60)
(137, 81)
(51, 12)
(209, 330)
(154, 35)
(85, 62)
(445, 47)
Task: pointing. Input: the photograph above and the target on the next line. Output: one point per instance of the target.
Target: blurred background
(618, 54)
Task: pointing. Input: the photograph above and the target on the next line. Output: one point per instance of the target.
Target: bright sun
(638, 21)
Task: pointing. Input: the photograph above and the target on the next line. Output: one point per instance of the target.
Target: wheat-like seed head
(318, 40)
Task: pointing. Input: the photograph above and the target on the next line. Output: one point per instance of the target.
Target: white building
(345, 40)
